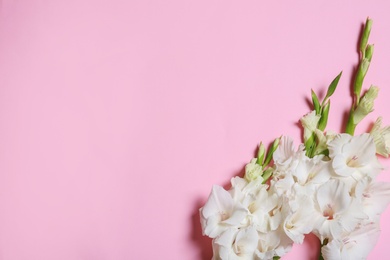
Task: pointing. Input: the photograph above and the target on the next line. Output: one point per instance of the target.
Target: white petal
(220, 212)
(284, 152)
(219, 202)
(246, 241)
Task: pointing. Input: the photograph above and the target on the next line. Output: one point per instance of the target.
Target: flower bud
(369, 52)
(321, 142)
(253, 170)
(261, 154)
(271, 151)
(267, 174)
(360, 75)
(366, 104)
(309, 123)
(366, 34)
(381, 138)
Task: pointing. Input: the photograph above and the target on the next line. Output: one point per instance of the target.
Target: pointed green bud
(316, 102)
(267, 174)
(369, 52)
(332, 87)
(324, 116)
(271, 151)
(261, 154)
(365, 35)
(361, 73)
(366, 105)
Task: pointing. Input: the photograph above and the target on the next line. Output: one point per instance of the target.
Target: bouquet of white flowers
(326, 186)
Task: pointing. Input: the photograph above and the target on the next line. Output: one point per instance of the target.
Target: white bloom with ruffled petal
(236, 244)
(374, 197)
(354, 156)
(355, 245)
(221, 212)
(265, 211)
(273, 243)
(310, 173)
(337, 211)
(298, 218)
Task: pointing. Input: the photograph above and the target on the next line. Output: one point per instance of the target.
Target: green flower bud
(360, 75)
(267, 174)
(369, 52)
(271, 151)
(261, 154)
(366, 105)
(366, 34)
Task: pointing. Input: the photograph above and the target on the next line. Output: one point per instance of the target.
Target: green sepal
(324, 117)
(267, 174)
(310, 145)
(260, 154)
(369, 52)
(316, 102)
(332, 87)
(360, 75)
(325, 152)
(271, 151)
(365, 35)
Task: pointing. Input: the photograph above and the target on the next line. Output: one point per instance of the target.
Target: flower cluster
(326, 187)
(336, 197)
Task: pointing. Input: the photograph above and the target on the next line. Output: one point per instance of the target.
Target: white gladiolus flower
(381, 138)
(221, 212)
(298, 219)
(309, 123)
(312, 172)
(236, 244)
(283, 185)
(265, 211)
(374, 197)
(354, 156)
(273, 243)
(286, 160)
(337, 211)
(353, 246)
(246, 192)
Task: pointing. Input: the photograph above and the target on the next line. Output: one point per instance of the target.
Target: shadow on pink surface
(311, 246)
(202, 242)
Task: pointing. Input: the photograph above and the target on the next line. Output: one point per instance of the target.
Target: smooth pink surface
(117, 117)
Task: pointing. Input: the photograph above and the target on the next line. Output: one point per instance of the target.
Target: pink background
(117, 117)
